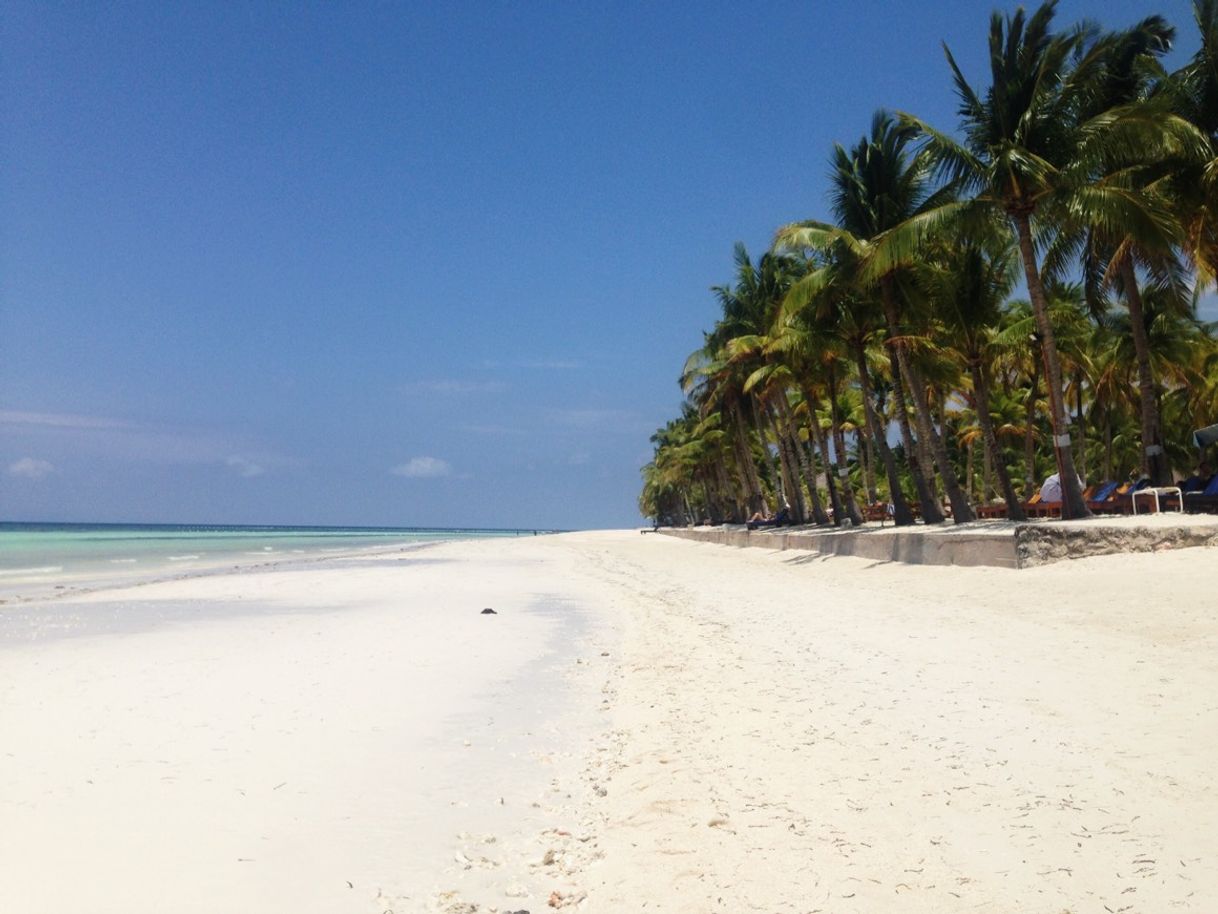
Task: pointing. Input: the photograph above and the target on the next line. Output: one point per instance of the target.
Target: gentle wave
(36, 556)
(44, 569)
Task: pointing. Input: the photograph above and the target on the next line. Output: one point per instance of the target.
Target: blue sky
(404, 264)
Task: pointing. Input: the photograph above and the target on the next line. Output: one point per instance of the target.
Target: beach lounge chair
(1121, 501)
(1189, 488)
(1203, 502)
(1155, 499)
(877, 511)
(1037, 507)
(1107, 499)
(1054, 508)
(992, 512)
(781, 519)
(1103, 492)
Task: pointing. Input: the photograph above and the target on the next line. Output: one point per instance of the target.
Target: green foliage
(1112, 161)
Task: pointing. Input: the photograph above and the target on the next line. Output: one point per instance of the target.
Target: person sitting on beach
(1051, 491)
(1198, 482)
(761, 517)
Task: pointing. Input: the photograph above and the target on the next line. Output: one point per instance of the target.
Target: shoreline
(275, 734)
(86, 582)
(700, 728)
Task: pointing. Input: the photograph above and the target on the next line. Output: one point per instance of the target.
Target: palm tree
(733, 351)
(1079, 146)
(1194, 90)
(812, 356)
(1113, 252)
(716, 385)
(879, 190)
(1029, 154)
(969, 287)
(669, 480)
(826, 299)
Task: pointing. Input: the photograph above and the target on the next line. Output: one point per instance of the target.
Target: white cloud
(136, 441)
(30, 468)
(244, 468)
(422, 468)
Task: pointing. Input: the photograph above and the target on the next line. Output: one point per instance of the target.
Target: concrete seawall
(998, 544)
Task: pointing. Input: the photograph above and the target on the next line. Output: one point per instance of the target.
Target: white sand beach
(647, 724)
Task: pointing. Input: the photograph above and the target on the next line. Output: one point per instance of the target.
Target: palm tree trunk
(708, 507)
(1154, 460)
(970, 476)
(981, 392)
(727, 490)
(1029, 440)
(1073, 504)
(931, 512)
(807, 465)
(744, 460)
(1108, 456)
(822, 445)
(839, 446)
(962, 512)
(867, 447)
(1080, 423)
(775, 479)
(900, 508)
(799, 504)
(790, 479)
(987, 475)
(801, 459)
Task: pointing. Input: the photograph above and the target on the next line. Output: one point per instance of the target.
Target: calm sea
(36, 559)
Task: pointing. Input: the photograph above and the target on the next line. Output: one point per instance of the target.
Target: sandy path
(796, 734)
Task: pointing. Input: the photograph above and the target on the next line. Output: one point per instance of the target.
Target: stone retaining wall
(1021, 546)
(1041, 544)
(914, 547)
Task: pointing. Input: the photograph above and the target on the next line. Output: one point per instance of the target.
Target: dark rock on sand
(489, 612)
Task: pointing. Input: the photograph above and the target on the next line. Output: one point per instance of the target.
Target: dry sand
(652, 725)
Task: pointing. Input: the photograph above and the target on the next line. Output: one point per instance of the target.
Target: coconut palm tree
(812, 356)
(732, 352)
(1079, 146)
(1194, 91)
(878, 189)
(1032, 156)
(1114, 252)
(828, 299)
(969, 286)
(716, 385)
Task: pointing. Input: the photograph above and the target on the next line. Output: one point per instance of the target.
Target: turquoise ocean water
(38, 558)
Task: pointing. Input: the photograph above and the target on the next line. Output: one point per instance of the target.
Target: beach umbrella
(1204, 437)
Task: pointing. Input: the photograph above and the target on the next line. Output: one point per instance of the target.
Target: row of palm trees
(1086, 171)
